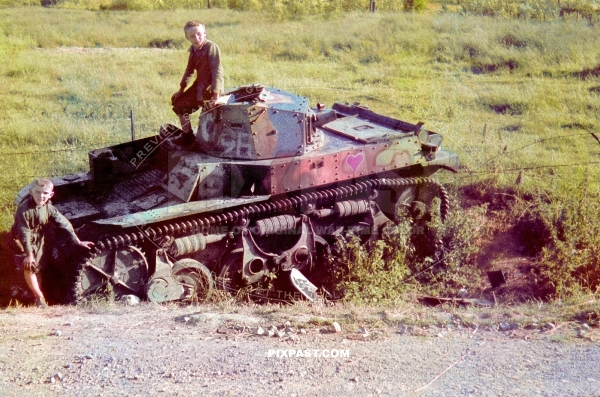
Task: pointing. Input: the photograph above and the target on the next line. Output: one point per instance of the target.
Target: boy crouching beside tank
(33, 217)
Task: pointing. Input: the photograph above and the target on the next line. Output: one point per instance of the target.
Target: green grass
(517, 99)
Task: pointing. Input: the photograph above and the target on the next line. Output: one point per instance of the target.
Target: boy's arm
(62, 222)
(189, 71)
(23, 232)
(217, 83)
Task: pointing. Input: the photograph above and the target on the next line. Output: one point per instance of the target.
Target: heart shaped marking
(355, 160)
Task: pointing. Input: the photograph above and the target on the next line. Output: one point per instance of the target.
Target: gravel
(154, 351)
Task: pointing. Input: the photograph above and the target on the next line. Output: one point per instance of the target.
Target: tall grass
(518, 100)
(277, 8)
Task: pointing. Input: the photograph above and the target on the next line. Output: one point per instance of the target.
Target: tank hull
(254, 205)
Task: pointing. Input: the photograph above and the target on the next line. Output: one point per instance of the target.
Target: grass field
(518, 100)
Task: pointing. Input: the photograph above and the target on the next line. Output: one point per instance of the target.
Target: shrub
(414, 5)
(569, 262)
(125, 5)
(399, 262)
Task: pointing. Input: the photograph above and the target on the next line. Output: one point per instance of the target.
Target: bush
(125, 5)
(399, 262)
(414, 5)
(569, 262)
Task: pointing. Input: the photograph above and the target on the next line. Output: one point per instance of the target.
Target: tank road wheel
(230, 277)
(195, 278)
(112, 274)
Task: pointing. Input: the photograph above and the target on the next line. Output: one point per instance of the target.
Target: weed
(437, 257)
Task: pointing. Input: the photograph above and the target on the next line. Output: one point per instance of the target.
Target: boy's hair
(193, 24)
(42, 182)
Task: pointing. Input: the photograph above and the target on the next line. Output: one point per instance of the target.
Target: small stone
(130, 300)
(89, 356)
(258, 331)
(69, 324)
(514, 326)
(280, 334)
(585, 326)
(401, 330)
(335, 327)
(355, 379)
(271, 332)
(504, 327)
(58, 376)
(289, 329)
(52, 380)
(186, 319)
(550, 326)
(302, 331)
(287, 324)
(57, 332)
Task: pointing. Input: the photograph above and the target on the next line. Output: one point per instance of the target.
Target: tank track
(202, 222)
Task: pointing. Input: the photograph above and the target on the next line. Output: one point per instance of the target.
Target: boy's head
(195, 32)
(42, 190)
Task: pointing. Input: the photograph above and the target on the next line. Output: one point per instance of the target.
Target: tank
(254, 205)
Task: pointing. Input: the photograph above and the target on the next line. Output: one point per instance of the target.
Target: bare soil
(176, 350)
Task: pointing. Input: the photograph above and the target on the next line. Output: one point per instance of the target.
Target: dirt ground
(226, 349)
(175, 350)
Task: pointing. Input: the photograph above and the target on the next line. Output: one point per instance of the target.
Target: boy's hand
(86, 244)
(213, 100)
(29, 262)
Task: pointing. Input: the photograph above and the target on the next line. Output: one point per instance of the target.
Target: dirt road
(153, 350)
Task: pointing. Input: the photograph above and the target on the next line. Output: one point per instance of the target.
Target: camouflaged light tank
(256, 202)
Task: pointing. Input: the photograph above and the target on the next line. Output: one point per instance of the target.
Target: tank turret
(255, 123)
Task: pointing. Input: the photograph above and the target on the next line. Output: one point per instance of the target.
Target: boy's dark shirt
(206, 61)
(31, 220)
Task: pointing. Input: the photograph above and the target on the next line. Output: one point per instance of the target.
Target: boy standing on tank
(32, 218)
(205, 60)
